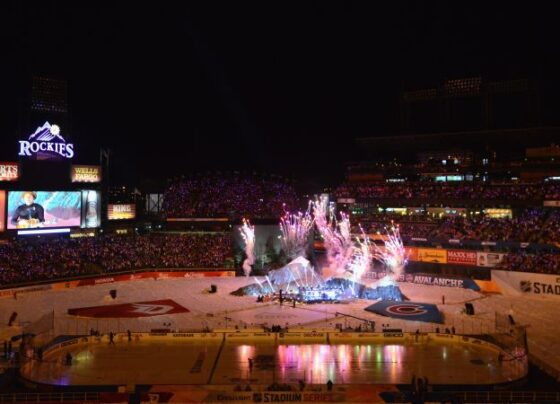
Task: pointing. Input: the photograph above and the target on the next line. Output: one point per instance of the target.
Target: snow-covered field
(222, 309)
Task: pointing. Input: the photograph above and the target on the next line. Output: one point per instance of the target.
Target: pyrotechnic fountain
(336, 235)
(296, 229)
(393, 254)
(361, 259)
(248, 234)
(348, 260)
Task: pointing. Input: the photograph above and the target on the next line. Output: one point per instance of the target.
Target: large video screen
(37, 209)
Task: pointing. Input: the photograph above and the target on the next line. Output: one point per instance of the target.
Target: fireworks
(353, 257)
(350, 258)
(295, 228)
(393, 254)
(336, 234)
(361, 258)
(248, 234)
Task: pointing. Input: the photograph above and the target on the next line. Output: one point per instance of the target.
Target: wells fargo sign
(86, 173)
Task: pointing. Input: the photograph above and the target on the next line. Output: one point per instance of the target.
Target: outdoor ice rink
(171, 362)
(216, 311)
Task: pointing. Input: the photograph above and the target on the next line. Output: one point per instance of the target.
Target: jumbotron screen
(43, 209)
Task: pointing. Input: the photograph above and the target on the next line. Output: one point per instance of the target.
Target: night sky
(281, 87)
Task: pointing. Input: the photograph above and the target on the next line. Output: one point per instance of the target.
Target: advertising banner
(412, 253)
(488, 286)
(91, 209)
(527, 284)
(488, 259)
(121, 211)
(461, 257)
(2, 210)
(429, 279)
(41, 209)
(435, 255)
(11, 292)
(498, 213)
(81, 173)
(9, 171)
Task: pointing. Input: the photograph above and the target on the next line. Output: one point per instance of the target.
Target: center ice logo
(151, 309)
(407, 309)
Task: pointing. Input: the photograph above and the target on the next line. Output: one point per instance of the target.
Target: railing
(503, 396)
(507, 396)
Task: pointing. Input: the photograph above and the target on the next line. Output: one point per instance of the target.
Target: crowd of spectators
(531, 226)
(541, 263)
(463, 191)
(229, 196)
(29, 261)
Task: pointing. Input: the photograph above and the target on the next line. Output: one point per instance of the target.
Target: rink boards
(261, 358)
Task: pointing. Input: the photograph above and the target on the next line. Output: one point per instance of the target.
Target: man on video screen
(29, 214)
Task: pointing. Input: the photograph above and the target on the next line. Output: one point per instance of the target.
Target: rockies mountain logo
(526, 286)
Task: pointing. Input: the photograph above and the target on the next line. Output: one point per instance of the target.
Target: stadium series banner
(528, 284)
